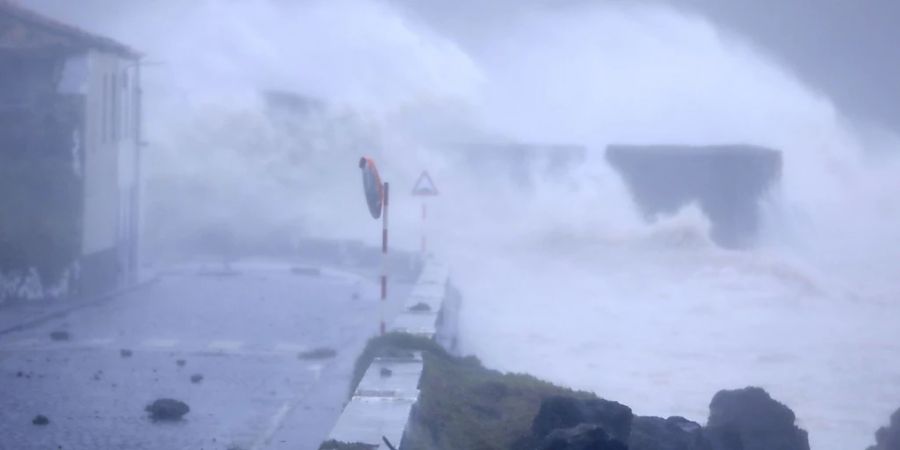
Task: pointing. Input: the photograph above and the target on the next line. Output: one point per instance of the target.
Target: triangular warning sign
(425, 185)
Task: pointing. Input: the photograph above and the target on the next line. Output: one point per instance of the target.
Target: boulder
(167, 409)
(318, 353)
(560, 412)
(674, 433)
(888, 438)
(581, 437)
(749, 419)
(40, 420)
(60, 336)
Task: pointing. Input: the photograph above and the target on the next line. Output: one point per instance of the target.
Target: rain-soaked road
(242, 332)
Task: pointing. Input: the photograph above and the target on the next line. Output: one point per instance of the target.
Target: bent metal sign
(372, 185)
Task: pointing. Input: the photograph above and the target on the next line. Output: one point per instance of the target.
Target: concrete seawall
(381, 404)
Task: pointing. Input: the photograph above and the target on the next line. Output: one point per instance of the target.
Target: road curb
(77, 305)
(380, 407)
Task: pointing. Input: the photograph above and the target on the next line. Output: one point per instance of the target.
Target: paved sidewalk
(18, 316)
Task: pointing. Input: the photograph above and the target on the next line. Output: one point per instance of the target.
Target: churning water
(561, 279)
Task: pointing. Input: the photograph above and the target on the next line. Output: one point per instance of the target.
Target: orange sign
(372, 185)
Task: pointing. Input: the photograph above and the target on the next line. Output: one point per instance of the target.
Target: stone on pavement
(40, 420)
(196, 378)
(318, 353)
(167, 409)
(60, 336)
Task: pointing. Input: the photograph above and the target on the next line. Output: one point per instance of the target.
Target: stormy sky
(845, 49)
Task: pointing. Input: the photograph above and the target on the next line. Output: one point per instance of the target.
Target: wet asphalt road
(242, 332)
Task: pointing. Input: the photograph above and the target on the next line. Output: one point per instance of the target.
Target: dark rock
(420, 307)
(385, 372)
(196, 378)
(749, 419)
(318, 353)
(566, 412)
(674, 433)
(180, 362)
(888, 438)
(60, 336)
(20, 374)
(125, 353)
(167, 409)
(581, 437)
(40, 420)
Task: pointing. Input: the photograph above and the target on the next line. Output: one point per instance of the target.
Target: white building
(76, 96)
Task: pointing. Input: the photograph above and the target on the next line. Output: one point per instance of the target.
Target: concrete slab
(366, 419)
(382, 402)
(390, 377)
(416, 323)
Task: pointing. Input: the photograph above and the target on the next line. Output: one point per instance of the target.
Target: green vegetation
(335, 445)
(40, 212)
(463, 405)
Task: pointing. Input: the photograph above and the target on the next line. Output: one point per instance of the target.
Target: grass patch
(335, 445)
(463, 405)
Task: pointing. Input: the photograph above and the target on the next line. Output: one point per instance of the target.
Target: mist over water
(561, 278)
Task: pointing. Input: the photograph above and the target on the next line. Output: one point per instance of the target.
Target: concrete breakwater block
(726, 181)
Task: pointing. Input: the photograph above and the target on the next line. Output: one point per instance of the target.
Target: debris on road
(385, 372)
(318, 353)
(40, 420)
(167, 409)
(420, 307)
(60, 336)
(196, 378)
(181, 362)
(125, 353)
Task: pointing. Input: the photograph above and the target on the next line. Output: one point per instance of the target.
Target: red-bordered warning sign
(425, 186)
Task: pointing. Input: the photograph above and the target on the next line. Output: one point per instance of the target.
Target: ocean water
(561, 278)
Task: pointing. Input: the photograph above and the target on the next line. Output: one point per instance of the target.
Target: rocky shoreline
(463, 405)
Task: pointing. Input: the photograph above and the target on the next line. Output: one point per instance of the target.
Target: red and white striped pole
(384, 255)
(424, 231)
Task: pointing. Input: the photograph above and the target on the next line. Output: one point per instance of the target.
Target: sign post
(424, 187)
(377, 199)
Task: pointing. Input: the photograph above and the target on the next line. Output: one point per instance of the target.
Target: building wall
(110, 173)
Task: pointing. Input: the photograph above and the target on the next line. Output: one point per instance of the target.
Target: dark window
(103, 106)
(114, 109)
